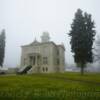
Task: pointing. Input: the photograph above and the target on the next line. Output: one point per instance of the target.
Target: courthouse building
(44, 56)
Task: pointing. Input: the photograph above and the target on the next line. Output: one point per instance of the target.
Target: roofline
(61, 46)
(40, 43)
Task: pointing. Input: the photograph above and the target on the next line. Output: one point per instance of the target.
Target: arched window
(43, 69)
(46, 69)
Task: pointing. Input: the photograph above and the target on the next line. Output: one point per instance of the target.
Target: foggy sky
(24, 20)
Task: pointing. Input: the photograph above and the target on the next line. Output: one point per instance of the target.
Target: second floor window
(45, 60)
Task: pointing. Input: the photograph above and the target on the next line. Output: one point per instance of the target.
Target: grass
(58, 86)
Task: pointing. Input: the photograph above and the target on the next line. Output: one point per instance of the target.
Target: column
(36, 60)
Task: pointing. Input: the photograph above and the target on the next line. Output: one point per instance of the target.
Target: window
(45, 60)
(58, 62)
(46, 69)
(24, 61)
(43, 69)
(32, 60)
(58, 52)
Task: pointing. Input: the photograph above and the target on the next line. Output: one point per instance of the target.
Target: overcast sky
(24, 20)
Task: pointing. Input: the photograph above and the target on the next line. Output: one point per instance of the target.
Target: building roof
(36, 43)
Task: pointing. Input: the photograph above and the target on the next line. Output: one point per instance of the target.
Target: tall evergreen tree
(82, 35)
(2, 47)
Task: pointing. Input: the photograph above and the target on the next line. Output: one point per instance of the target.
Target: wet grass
(58, 86)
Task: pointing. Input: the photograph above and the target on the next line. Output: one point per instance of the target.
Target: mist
(25, 20)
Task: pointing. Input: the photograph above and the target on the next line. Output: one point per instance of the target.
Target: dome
(45, 37)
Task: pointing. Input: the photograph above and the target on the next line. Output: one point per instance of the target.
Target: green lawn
(66, 86)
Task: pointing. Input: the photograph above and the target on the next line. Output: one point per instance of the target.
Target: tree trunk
(82, 69)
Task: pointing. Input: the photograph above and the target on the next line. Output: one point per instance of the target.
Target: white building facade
(44, 56)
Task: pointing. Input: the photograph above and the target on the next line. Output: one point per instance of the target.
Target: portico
(34, 59)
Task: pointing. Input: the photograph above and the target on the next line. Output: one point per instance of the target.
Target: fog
(24, 20)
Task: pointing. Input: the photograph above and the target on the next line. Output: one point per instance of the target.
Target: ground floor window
(58, 62)
(45, 69)
(24, 61)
